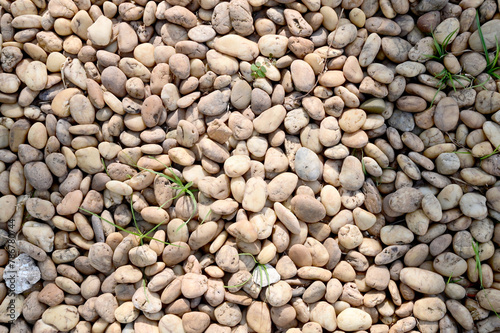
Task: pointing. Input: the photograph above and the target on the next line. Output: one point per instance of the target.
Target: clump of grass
(445, 77)
(441, 48)
(262, 269)
(258, 70)
(491, 66)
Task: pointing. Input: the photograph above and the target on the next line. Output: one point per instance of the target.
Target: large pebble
(302, 75)
(352, 319)
(307, 164)
(62, 317)
(246, 50)
(423, 281)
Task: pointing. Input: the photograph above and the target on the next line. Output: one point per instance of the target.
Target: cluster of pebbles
(327, 180)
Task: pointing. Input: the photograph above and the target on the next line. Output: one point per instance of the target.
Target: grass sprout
(441, 48)
(139, 233)
(178, 185)
(183, 189)
(262, 271)
(445, 77)
(258, 70)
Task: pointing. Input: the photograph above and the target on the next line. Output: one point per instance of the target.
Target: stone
(260, 277)
(307, 164)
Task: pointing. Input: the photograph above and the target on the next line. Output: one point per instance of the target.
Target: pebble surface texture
(192, 166)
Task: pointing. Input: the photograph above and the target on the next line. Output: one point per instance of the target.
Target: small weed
(445, 77)
(441, 48)
(180, 187)
(183, 189)
(494, 152)
(139, 233)
(260, 267)
(271, 59)
(491, 66)
(258, 70)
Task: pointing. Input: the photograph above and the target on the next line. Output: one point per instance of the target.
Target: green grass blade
(154, 228)
(438, 48)
(241, 284)
(177, 180)
(111, 223)
(475, 247)
(206, 216)
(133, 215)
(260, 274)
(497, 53)
(248, 254)
(158, 173)
(449, 279)
(493, 153)
(481, 38)
(195, 206)
(145, 293)
(159, 240)
(447, 39)
(105, 168)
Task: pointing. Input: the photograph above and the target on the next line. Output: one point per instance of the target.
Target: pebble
(352, 319)
(62, 317)
(423, 281)
(307, 164)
